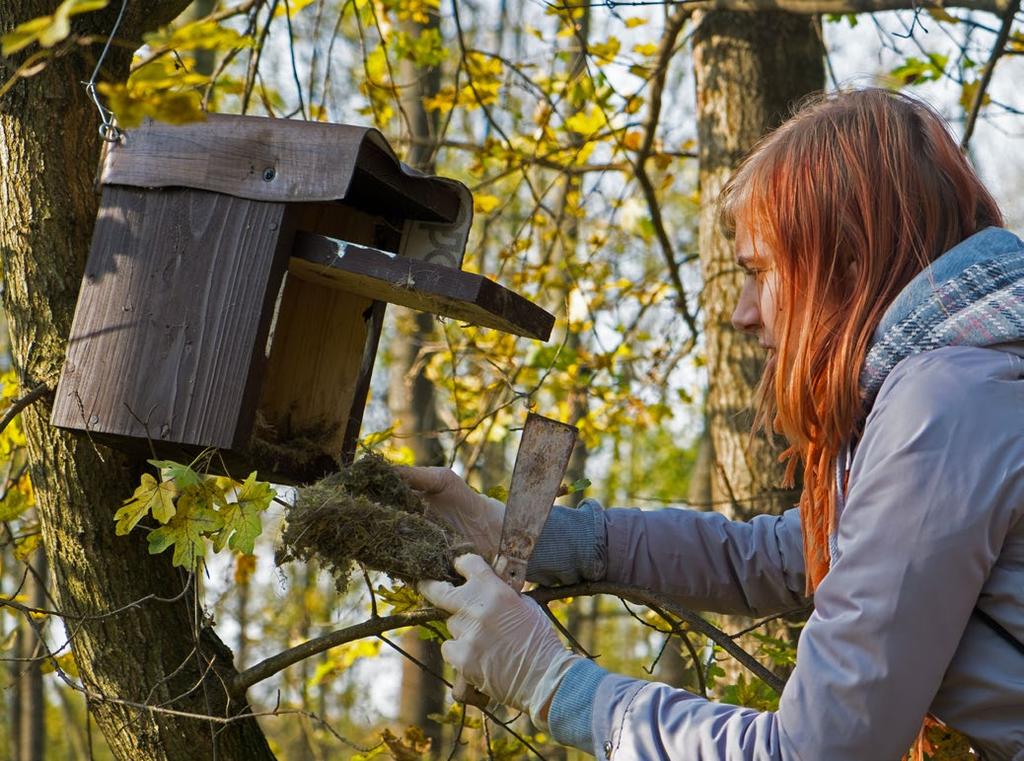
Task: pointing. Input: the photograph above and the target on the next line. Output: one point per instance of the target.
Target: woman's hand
(475, 516)
(501, 641)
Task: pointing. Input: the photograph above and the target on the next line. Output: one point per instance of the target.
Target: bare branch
(809, 7)
(666, 48)
(656, 601)
(376, 626)
(20, 404)
(371, 628)
(986, 77)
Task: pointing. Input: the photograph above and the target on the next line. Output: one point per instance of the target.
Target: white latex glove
(475, 516)
(501, 641)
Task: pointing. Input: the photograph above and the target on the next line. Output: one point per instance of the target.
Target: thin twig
(20, 404)
(986, 77)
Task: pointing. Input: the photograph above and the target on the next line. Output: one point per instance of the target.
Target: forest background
(594, 137)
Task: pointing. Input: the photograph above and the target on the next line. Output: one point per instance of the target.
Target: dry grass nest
(367, 514)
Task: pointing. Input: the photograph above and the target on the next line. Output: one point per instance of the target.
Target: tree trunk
(750, 70)
(158, 652)
(413, 398)
(31, 745)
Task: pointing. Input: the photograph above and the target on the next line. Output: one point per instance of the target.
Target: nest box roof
(281, 160)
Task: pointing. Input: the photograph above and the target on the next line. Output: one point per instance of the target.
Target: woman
(892, 305)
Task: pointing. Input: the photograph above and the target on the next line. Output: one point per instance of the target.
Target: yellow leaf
(633, 140)
(132, 105)
(201, 35)
(26, 545)
(443, 101)
(65, 662)
(605, 52)
(401, 599)
(18, 499)
(941, 14)
(24, 35)
(193, 521)
(341, 658)
(969, 92)
(245, 566)
(485, 204)
(48, 30)
(586, 122)
(498, 492)
(292, 7)
(149, 497)
(647, 48)
(634, 21)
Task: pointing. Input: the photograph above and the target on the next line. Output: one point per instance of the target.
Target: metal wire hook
(109, 132)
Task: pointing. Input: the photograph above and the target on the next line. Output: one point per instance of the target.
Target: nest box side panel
(321, 358)
(170, 330)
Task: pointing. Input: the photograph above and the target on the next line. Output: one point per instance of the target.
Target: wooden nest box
(236, 286)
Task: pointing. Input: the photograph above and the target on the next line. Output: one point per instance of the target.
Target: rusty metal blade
(540, 464)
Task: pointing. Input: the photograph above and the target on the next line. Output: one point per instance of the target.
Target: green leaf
(187, 530)
(916, 70)
(182, 475)
(149, 496)
(241, 519)
(578, 485)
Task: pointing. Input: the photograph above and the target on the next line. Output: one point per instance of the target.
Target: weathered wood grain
(281, 160)
(170, 330)
(420, 285)
(323, 345)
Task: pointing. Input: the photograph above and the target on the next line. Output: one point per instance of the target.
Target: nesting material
(365, 513)
(301, 454)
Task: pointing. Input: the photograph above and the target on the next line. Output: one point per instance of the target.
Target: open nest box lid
(283, 160)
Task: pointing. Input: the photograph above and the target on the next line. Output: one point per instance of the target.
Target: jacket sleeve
(937, 483)
(702, 559)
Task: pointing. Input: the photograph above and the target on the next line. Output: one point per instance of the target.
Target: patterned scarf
(973, 295)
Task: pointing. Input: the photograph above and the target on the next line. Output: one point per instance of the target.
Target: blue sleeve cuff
(572, 707)
(572, 546)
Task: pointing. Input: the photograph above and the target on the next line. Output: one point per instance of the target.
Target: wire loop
(109, 132)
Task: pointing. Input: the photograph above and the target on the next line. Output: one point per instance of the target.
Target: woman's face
(757, 309)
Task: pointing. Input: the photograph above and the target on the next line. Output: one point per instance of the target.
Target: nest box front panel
(169, 336)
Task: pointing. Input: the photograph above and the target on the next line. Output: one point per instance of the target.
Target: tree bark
(750, 70)
(158, 652)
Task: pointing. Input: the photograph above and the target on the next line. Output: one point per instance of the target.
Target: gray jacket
(932, 526)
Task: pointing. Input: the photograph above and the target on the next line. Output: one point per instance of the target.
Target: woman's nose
(746, 317)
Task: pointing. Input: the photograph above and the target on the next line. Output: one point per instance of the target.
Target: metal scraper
(543, 456)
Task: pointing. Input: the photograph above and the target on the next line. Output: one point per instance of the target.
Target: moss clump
(294, 457)
(365, 513)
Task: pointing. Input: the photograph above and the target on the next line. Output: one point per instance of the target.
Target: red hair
(848, 201)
